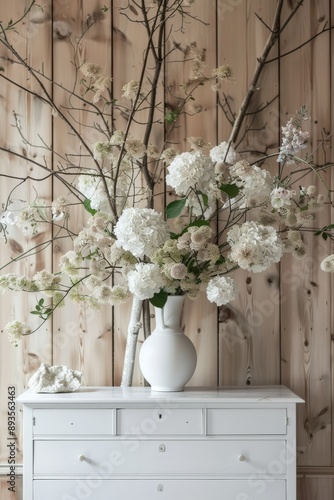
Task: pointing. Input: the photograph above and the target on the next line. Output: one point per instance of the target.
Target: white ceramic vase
(168, 358)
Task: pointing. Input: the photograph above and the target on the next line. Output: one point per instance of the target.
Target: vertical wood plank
(305, 288)
(80, 334)
(249, 326)
(315, 488)
(33, 43)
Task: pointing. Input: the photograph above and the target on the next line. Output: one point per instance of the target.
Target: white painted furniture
(134, 444)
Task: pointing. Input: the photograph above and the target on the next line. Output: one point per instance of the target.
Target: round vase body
(168, 358)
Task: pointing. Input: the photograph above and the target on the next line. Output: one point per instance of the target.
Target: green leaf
(88, 207)
(325, 236)
(205, 198)
(230, 189)
(35, 312)
(159, 299)
(2, 68)
(171, 117)
(41, 302)
(174, 208)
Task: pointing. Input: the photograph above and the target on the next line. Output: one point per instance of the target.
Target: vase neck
(170, 315)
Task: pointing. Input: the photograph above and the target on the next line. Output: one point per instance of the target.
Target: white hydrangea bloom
(221, 290)
(254, 247)
(141, 231)
(191, 171)
(145, 280)
(224, 153)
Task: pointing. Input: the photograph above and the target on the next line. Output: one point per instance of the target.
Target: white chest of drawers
(134, 444)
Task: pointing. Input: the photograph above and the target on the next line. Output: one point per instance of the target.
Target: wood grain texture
(315, 488)
(5, 494)
(281, 327)
(80, 334)
(17, 364)
(249, 326)
(305, 305)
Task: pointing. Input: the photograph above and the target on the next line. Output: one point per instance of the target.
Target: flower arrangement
(156, 260)
(228, 211)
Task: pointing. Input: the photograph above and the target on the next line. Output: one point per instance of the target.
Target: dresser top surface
(191, 395)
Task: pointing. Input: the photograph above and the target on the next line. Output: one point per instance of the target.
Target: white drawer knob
(241, 458)
(162, 447)
(81, 458)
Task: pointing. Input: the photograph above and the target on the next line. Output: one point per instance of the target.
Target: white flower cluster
(293, 141)
(254, 247)
(224, 153)
(221, 290)
(30, 217)
(145, 280)
(59, 209)
(256, 183)
(15, 330)
(281, 196)
(141, 231)
(192, 174)
(93, 186)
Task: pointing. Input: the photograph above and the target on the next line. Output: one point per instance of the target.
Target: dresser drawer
(246, 421)
(135, 457)
(73, 421)
(166, 421)
(133, 489)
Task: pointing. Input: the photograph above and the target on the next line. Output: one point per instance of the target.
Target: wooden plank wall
(280, 330)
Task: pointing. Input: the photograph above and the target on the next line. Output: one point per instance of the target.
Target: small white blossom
(221, 290)
(293, 140)
(59, 209)
(91, 70)
(281, 196)
(178, 271)
(223, 72)
(117, 138)
(130, 90)
(16, 330)
(135, 149)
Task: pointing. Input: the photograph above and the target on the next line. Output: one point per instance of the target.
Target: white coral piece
(56, 378)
